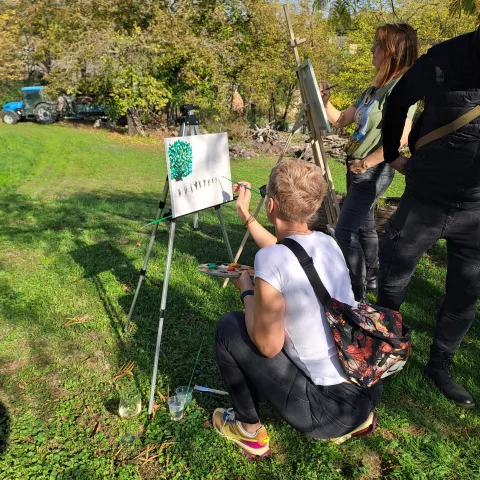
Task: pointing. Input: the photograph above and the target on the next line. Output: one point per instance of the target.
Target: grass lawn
(73, 204)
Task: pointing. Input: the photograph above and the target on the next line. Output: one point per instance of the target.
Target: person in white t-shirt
(282, 348)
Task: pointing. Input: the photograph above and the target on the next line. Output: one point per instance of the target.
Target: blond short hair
(298, 187)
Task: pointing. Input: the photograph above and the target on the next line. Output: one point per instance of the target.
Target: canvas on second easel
(196, 166)
(319, 115)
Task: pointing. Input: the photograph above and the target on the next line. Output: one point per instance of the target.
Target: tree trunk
(291, 90)
(134, 123)
(273, 104)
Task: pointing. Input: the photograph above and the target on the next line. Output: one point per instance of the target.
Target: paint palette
(225, 270)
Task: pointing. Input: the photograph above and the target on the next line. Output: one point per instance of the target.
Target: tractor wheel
(45, 113)
(11, 117)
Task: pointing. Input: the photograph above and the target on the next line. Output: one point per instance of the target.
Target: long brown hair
(399, 44)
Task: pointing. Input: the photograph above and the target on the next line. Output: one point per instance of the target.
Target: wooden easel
(310, 118)
(305, 117)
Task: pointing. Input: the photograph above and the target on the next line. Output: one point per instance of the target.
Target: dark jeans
(355, 231)
(414, 228)
(319, 412)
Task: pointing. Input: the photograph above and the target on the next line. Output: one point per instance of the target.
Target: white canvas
(314, 97)
(196, 168)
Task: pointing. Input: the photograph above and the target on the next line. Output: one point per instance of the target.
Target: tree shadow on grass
(190, 315)
(105, 257)
(4, 428)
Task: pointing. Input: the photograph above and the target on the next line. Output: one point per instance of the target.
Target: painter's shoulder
(270, 251)
(324, 238)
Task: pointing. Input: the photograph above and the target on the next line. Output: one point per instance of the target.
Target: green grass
(72, 209)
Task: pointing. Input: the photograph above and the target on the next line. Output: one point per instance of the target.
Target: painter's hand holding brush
(261, 236)
(336, 117)
(243, 189)
(325, 91)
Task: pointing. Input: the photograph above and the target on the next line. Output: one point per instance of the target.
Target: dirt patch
(97, 361)
(13, 367)
(403, 431)
(54, 385)
(373, 462)
(150, 470)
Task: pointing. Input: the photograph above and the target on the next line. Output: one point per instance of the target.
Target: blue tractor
(34, 107)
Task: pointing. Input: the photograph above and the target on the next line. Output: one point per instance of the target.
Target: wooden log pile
(335, 146)
(264, 134)
(242, 152)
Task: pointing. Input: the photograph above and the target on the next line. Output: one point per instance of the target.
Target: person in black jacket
(441, 198)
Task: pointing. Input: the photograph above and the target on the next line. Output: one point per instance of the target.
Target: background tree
(470, 7)
(140, 57)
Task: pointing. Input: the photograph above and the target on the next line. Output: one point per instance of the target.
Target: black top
(447, 78)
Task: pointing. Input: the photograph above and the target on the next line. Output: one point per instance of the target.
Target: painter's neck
(285, 228)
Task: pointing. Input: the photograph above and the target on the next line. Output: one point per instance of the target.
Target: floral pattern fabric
(372, 342)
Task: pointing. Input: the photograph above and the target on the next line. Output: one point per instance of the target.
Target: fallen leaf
(76, 320)
(127, 287)
(207, 425)
(124, 370)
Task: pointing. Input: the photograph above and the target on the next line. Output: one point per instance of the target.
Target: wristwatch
(246, 293)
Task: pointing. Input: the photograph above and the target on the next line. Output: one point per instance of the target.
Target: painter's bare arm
(337, 118)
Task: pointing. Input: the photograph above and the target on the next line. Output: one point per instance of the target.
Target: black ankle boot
(439, 369)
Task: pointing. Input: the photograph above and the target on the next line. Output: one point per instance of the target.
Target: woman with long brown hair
(394, 51)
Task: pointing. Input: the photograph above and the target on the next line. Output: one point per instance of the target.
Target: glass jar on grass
(130, 400)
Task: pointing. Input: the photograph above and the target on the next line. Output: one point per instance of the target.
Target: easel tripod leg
(143, 272)
(224, 231)
(162, 317)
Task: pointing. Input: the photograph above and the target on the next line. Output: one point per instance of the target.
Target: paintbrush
(195, 366)
(248, 188)
(209, 390)
(157, 221)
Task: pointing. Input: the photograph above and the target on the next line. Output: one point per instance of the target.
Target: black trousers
(319, 412)
(414, 228)
(355, 231)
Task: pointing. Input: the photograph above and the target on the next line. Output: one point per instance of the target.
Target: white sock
(248, 434)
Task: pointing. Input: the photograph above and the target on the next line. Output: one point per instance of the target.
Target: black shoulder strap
(307, 264)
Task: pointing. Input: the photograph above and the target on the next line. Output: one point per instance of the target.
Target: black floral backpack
(372, 342)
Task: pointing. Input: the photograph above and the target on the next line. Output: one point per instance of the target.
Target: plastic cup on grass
(185, 393)
(176, 406)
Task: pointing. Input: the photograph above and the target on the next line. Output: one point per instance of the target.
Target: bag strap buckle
(307, 262)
